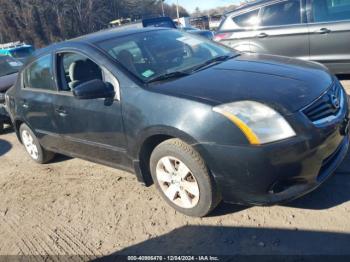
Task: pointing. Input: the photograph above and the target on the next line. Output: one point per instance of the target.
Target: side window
(284, 13)
(249, 19)
(76, 69)
(330, 10)
(39, 74)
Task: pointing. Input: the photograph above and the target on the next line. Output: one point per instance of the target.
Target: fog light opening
(283, 185)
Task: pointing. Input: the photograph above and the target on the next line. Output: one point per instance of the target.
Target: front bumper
(280, 171)
(271, 176)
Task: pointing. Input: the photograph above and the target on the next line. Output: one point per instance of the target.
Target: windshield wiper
(176, 74)
(213, 61)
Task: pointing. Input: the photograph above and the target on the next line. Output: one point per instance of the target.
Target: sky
(190, 5)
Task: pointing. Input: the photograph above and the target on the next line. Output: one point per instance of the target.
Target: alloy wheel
(29, 144)
(177, 182)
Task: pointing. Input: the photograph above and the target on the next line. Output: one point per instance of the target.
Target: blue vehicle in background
(18, 50)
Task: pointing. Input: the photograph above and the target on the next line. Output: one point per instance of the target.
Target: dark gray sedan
(201, 121)
(317, 30)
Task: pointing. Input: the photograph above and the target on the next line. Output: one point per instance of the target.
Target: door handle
(324, 31)
(61, 112)
(262, 35)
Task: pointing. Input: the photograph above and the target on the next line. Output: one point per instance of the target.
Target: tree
(197, 12)
(41, 22)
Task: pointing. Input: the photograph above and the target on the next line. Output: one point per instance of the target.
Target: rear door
(330, 33)
(282, 30)
(36, 99)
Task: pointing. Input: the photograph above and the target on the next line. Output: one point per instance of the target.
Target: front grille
(326, 106)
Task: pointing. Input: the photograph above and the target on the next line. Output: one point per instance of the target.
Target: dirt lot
(73, 207)
(346, 83)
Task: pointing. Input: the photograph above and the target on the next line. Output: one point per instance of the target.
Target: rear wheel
(33, 147)
(1, 127)
(183, 179)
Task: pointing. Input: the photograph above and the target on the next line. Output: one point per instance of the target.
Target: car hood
(285, 84)
(7, 81)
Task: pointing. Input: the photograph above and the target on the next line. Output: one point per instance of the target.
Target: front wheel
(183, 179)
(33, 147)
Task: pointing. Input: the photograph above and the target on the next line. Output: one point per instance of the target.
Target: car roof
(250, 5)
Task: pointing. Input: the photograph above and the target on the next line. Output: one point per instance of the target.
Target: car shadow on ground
(60, 158)
(226, 208)
(5, 147)
(212, 240)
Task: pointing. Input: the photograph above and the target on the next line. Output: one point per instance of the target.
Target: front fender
(149, 114)
(159, 130)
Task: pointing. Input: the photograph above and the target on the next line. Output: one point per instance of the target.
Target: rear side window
(330, 10)
(285, 13)
(248, 19)
(39, 74)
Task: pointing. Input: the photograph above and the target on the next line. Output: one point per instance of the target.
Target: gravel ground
(73, 207)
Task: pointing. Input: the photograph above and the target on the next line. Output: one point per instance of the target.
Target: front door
(282, 30)
(92, 129)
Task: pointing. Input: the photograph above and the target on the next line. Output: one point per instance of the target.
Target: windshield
(22, 52)
(9, 66)
(151, 55)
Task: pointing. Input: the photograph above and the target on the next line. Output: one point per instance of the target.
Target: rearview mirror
(94, 89)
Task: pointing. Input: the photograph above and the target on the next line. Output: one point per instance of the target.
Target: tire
(1, 127)
(190, 191)
(33, 147)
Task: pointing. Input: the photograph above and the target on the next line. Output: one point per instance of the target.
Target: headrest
(84, 70)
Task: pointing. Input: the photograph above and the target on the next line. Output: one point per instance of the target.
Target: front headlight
(259, 123)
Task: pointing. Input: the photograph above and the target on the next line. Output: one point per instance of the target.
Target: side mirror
(94, 89)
